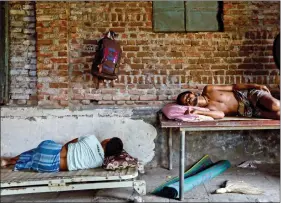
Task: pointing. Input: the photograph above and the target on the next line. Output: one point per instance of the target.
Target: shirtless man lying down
(248, 100)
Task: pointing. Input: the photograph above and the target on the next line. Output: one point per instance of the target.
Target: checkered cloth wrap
(44, 158)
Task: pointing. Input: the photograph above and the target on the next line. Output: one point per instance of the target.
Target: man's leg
(12, 161)
(269, 114)
(269, 103)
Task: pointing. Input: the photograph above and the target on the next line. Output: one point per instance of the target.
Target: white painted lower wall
(24, 128)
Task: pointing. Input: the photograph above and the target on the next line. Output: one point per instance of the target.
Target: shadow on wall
(257, 49)
(258, 64)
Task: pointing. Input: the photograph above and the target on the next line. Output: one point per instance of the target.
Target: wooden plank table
(227, 123)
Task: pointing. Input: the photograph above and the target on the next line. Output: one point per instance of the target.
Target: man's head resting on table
(112, 146)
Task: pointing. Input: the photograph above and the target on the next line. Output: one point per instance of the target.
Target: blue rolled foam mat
(172, 190)
(202, 164)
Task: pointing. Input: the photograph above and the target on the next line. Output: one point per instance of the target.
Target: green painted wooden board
(168, 16)
(187, 16)
(201, 16)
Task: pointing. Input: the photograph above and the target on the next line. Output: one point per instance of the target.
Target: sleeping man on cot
(248, 100)
(81, 153)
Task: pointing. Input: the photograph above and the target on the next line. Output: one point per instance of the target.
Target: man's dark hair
(179, 102)
(114, 147)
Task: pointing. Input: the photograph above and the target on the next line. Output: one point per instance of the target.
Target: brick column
(22, 61)
(52, 53)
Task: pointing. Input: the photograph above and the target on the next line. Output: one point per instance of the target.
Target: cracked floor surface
(265, 177)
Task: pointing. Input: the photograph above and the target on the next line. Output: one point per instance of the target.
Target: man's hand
(213, 114)
(262, 87)
(191, 111)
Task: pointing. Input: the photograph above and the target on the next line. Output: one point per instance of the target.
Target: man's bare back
(250, 100)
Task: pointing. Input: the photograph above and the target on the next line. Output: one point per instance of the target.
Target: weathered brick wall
(155, 66)
(22, 60)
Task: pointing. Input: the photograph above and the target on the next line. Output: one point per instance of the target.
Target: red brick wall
(155, 66)
(53, 45)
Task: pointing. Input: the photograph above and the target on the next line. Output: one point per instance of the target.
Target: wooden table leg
(182, 165)
(171, 149)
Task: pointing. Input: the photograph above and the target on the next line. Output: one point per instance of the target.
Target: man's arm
(212, 113)
(250, 86)
(230, 88)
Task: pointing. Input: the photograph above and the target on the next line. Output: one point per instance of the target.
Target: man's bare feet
(4, 163)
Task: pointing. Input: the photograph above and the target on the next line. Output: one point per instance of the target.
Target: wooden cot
(22, 182)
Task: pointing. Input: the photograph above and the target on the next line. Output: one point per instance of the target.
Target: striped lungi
(44, 158)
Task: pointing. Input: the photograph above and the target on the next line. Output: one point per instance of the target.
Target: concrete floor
(265, 177)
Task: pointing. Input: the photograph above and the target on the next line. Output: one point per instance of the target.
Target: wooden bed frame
(227, 123)
(23, 182)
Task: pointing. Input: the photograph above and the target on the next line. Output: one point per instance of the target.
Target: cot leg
(171, 149)
(138, 199)
(140, 187)
(141, 167)
(182, 166)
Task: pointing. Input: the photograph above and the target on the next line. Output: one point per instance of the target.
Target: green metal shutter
(168, 16)
(202, 16)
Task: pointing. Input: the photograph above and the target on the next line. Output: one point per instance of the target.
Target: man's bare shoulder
(208, 88)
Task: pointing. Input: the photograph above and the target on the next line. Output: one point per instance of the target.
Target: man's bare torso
(222, 101)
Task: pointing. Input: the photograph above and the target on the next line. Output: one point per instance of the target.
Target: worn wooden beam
(222, 124)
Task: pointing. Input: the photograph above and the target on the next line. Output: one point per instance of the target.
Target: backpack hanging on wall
(107, 58)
